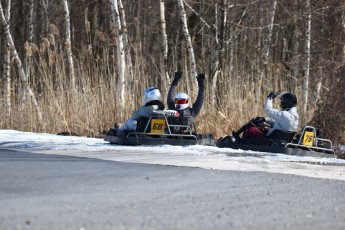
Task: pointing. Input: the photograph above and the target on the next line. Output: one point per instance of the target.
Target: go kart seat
(281, 137)
(141, 123)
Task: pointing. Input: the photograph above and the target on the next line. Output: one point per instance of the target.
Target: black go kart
(307, 143)
(160, 130)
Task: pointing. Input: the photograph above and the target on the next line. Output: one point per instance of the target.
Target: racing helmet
(287, 100)
(181, 101)
(151, 94)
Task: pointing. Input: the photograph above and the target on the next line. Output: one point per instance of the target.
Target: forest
(81, 65)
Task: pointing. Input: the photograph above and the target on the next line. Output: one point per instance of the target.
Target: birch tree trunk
(343, 23)
(30, 23)
(127, 48)
(7, 62)
(215, 58)
(6, 76)
(45, 4)
(267, 46)
(30, 38)
(165, 41)
(265, 55)
(316, 98)
(294, 47)
(188, 41)
(68, 45)
(258, 61)
(19, 66)
(121, 61)
(305, 87)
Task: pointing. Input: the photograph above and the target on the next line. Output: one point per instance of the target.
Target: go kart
(160, 130)
(307, 143)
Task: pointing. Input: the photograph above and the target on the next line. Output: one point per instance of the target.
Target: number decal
(308, 138)
(157, 125)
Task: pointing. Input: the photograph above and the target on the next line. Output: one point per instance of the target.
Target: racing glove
(177, 77)
(273, 95)
(200, 78)
(259, 119)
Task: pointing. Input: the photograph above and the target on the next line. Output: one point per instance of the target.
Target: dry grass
(92, 107)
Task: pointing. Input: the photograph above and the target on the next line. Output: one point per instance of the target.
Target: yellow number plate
(157, 125)
(308, 138)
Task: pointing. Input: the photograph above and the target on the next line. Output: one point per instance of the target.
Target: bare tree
(195, 12)
(165, 40)
(28, 45)
(265, 53)
(19, 65)
(305, 87)
(215, 56)
(68, 44)
(6, 65)
(343, 24)
(294, 46)
(127, 46)
(267, 45)
(45, 4)
(121, 61)
(188, 41)
(31, 21)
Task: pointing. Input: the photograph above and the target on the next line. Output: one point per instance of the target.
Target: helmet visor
(181, 101)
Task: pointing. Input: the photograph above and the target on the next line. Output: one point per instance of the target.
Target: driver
(285, 119)
(181, 101)
(152, 104)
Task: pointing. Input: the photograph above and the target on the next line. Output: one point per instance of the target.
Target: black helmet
(287, 100)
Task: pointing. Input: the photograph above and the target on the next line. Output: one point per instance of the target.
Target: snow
(207, 157)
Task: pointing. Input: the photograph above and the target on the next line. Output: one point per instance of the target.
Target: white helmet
(151, 94)
(181, 101)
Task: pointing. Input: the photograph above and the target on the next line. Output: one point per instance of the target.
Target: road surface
(40, 191)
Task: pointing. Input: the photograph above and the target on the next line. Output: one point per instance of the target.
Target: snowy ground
(189, 156)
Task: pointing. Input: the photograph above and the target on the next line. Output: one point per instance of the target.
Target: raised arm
(200, 98)
(172, 90)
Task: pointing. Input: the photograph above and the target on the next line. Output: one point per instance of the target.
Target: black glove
(178, 76)
(273, 95)
(259, 119)
(200, 78)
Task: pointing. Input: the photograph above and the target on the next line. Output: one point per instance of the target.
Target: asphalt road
(39, 191)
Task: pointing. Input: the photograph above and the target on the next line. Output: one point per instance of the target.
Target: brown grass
(92, 107)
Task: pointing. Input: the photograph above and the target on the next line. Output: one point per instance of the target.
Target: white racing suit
(285, 120)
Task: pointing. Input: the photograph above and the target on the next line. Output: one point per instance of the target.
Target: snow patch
(208, 157)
